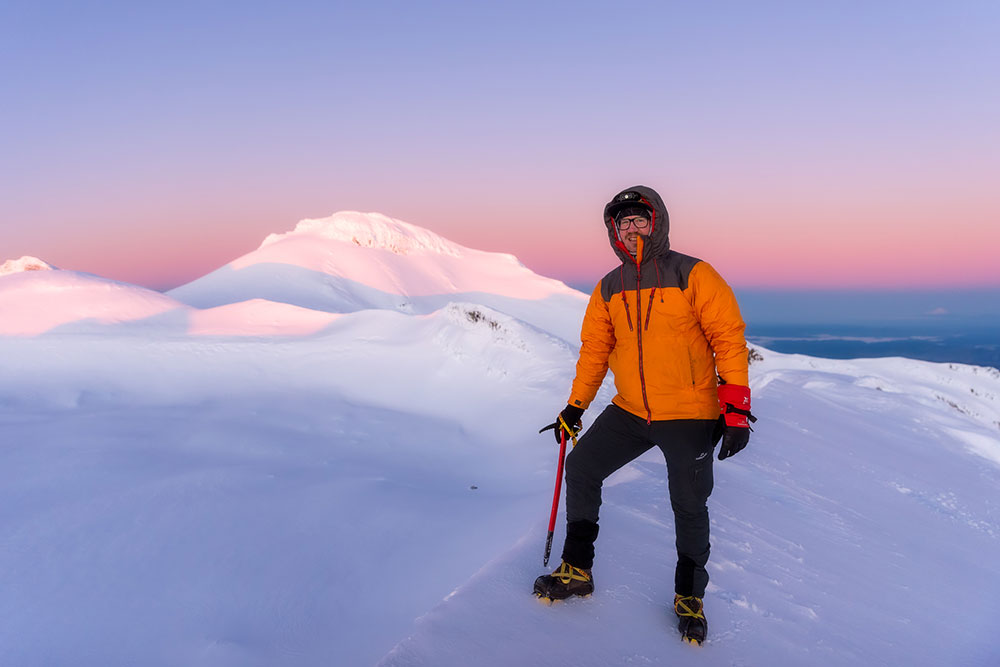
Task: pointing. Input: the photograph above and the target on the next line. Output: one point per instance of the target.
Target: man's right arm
(597, 338)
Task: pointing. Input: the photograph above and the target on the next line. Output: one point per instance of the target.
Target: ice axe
(559, 476)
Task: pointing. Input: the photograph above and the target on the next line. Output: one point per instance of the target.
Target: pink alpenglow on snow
(26, 263)
(397, 257)
(258, 317)
(352, 261)
(296, 284)
(35, 301)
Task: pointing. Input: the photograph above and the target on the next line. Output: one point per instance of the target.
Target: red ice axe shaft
(555, 499)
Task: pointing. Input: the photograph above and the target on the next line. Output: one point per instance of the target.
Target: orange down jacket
(666, 324)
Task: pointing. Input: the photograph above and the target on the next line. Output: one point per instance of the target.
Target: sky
(821, 145)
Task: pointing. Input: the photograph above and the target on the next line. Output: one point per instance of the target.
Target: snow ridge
(26, 263)
(372, 230)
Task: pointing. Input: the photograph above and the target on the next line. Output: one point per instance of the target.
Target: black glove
(571, 415)
(734, 438)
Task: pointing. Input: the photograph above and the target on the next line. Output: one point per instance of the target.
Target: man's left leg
(687, 447)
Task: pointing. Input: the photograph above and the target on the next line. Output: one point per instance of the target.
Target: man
(670, 329)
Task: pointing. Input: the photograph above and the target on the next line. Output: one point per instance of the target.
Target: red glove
(734, 419)
(734, 405)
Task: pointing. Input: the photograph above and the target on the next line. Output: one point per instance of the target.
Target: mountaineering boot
(691, 619)
(565, 582)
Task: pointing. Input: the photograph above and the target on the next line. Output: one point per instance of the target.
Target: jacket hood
(657, 242)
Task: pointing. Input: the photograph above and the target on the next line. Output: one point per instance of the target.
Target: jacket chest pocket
(671, 314)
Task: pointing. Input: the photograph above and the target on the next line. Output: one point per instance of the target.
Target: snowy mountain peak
(26, 263)
(371, 230)
(354, 261)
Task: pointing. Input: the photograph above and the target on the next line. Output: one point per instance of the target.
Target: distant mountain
(295, 283)
(354, 261)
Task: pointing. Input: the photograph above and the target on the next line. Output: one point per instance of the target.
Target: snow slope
(841, 536)
(209, 501)
(353, 261)
(44, 302)
(261, 483)
(37, 301)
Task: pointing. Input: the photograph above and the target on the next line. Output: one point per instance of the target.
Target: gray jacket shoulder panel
(611, 284)
(674, 270)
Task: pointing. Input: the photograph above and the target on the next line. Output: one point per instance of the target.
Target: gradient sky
(797, 144)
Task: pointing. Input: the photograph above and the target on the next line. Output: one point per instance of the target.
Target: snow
(372, 230)
(34, 302)
(354, 261)
(26, 263)
(258, 317)
(253, 481)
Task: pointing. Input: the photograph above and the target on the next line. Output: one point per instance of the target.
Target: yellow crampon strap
(683, 610)
(572, 432)
(567, 573)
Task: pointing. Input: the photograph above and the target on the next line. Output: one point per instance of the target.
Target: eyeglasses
(637, 222)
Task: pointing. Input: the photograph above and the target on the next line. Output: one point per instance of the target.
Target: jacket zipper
(638, 306)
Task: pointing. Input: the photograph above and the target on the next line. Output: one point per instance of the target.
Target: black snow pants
(618, 437)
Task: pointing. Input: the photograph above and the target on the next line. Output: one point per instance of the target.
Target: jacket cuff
(734, 405)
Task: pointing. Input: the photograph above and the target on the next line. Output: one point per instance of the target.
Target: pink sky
(798, 251)
(804, 146)
(850, 243)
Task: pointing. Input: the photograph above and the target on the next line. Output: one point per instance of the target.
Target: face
(629, 229)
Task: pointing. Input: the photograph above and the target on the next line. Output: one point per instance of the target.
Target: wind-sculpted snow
(258, 317)
(958, 395)
(420, 363)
